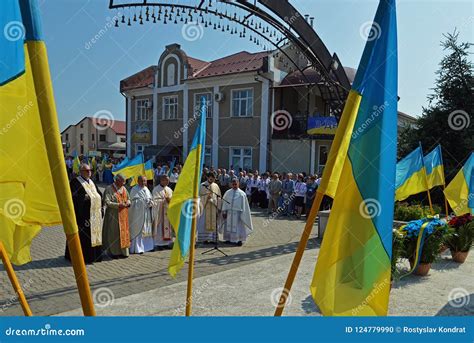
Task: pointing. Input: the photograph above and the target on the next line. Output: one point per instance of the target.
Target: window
(242, 103)
(123, 139)
(241, 158)
(142, 110)
(93, 137)
(139, 148)
(322, 158)
(82, 126)
(208, 156)
(67, 137)
(102, 138)
(81, 136)
(170, 75)
(170, 107)
(82, 149)
(197, 103)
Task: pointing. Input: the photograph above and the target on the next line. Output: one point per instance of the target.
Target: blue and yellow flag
(183, 206)
(460, 191)
(434, 167)
(132, 168)
(27, 199)
(352, 274)
(411, 175)
(76, 164)
(120, 165)
(149, 172)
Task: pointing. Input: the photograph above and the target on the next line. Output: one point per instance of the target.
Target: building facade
(95, 137)
(247, 96)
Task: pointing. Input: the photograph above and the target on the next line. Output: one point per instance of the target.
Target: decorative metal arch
(273, 22)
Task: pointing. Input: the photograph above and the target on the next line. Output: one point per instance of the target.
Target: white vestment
(210, 202)
(95, 218)
(140, 220)
(162, 230)
(238, 224)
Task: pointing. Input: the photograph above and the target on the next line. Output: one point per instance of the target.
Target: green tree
(448, 117)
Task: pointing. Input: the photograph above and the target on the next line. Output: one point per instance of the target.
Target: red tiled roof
(237, 63)
(141, 79)
(118, 126)
(197, 65)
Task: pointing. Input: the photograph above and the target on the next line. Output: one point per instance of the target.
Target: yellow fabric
(340, 145)
(27, 199)
(181, 209)
(436, 178)
(415, 184)
(51, 133)
(76, 165)
(352, 275)
(457, 193)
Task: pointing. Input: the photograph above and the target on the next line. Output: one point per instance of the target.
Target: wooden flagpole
(50, 127)
(299, 253)
(445, 201)
(426, 180)
(14, 281)
(189, 291)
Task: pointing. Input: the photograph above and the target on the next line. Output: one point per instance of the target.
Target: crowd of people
(133, 219)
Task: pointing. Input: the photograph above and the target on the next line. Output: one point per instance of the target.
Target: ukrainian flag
(184, 203)
(434, 167)
(76, 165)
(132, 168)
(149, 169)
(27, 196)
(411, 175)
(460, 191)
(352, 274)
(120, 165)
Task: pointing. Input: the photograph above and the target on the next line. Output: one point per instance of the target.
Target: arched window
(170, 74)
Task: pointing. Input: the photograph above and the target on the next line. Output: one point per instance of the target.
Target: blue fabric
(433, 159)
(12, 55)
(373, 153)
(31, 20)
(409, 165)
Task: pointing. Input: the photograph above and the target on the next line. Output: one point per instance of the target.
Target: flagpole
(445, 200)
(14, 281)
(299, 253)
(50, 127)
(426, 180)
(189, 291)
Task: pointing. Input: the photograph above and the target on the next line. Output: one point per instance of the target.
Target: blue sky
(86, 75)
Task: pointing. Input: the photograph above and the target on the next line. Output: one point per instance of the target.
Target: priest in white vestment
(236, 213)
(162, 230)
(210, 205)
(140, 218)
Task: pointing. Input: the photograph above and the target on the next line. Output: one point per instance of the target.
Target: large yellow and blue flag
(132, 168)
(352, 274)
(149, 172)
(460, 191)
(27, 201)
(411, 175)
(434, 167)
(184, 204)
(120, 165)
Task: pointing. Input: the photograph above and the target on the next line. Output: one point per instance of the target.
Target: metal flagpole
(14, 281)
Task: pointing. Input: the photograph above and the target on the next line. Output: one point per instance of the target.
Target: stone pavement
(253, 290)
(50, 287)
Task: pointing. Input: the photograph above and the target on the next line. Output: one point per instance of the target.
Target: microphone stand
(216, 241)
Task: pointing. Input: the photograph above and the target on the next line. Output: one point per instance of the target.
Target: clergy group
(124, 221)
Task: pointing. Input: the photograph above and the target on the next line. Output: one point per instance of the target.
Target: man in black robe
(82, 207)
